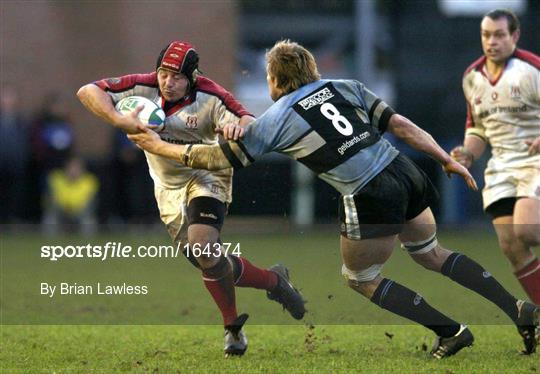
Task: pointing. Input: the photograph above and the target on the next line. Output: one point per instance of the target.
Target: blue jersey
(333, 127)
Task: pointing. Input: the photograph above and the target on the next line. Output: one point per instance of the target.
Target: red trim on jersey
(476, 65)
(469, 122)
(127, 82)
(210, 87)
(179, 105)
(520, 54)
(498, 77)
(479, 65)
(528, 57)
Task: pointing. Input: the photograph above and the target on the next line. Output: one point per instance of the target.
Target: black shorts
(206, 211)
(502, 207)
(397, 194)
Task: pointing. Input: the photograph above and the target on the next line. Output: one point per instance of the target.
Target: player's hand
(131, 121)
(146, 139)
(463, 156)
(534, 145)
(454, 167)
(231, 131)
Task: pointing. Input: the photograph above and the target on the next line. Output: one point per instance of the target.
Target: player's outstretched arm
(232, 131)
(422, 141)
(99, 102)
(196, 156)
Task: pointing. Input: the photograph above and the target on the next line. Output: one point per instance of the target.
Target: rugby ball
(152, 114)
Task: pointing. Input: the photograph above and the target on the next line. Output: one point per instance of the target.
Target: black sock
(400, 300)
(470, 274)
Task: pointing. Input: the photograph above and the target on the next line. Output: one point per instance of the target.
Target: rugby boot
(445, 347)
(528, 323)
(235, 339)
(285, 293)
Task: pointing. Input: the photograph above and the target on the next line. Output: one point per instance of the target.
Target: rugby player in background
(193, 203)
(334, 127)
(502, 90)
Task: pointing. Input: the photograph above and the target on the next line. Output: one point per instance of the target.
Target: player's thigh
(527, 211)
(527, 220)
(504, 228)
(419, 239)
(420, 228)
(361, 254)
(172, 211)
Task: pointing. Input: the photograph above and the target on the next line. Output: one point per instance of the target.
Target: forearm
(474, 146)
(209, 157)
(198, 156)
(99, 103)
(417, 138)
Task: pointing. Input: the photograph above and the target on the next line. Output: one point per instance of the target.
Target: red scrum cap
(179, 57)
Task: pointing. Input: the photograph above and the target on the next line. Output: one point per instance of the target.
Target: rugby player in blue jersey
(334, 128)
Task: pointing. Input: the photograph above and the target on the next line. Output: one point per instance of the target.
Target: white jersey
(192, 120)
(506, 111)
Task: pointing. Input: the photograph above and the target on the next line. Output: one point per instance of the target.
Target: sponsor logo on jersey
(191, 122)
(503, 109)
(177, 141)
(515, 93)
(349, 143)
(317, 98)
(494, 96)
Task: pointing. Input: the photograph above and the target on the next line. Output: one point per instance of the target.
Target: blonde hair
(292, 65)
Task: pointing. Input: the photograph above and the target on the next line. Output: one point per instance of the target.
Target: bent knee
(428, 253)
(363, 281)
(204, 252)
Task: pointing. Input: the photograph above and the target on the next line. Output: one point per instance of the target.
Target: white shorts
(503, 181)
(173, 202)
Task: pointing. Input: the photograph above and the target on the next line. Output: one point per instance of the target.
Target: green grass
(176, 327)
(272, 349)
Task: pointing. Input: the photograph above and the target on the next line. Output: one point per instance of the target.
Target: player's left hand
(231, 131)
(534, 145)
(454, 167)
(146, 138)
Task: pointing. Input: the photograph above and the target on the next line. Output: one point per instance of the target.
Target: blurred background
(411, 53)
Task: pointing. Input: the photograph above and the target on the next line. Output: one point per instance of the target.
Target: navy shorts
(397, 194)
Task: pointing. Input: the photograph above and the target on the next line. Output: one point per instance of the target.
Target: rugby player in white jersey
(335, 127)
(502, 90)
(193, 203)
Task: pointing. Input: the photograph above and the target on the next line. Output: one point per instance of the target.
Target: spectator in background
(130, 180)
(52, 135)
(14, 156)
(71, 194)
(52, 142)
